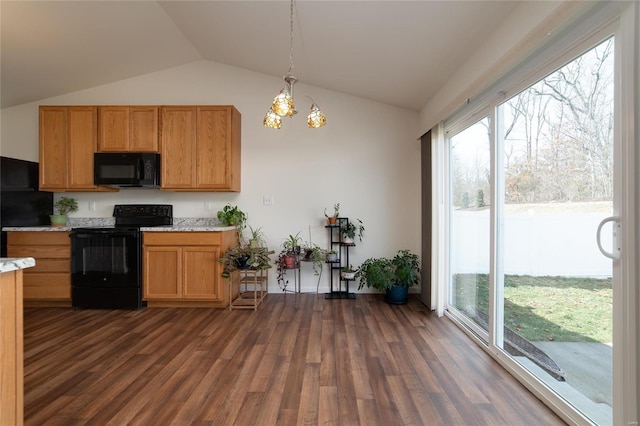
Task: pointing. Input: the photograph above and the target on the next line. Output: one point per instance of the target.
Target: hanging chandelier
(283, 105)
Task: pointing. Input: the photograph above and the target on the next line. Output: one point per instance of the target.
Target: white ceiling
(397, 52)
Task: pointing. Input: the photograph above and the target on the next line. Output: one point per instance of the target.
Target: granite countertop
(180, 224)
(8, 264)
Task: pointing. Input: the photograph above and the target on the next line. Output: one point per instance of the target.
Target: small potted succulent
(63, 206)
(336, 214)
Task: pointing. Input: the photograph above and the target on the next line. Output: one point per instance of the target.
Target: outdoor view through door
(551, 287)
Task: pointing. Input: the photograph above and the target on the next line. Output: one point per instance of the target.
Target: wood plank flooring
(340, 362)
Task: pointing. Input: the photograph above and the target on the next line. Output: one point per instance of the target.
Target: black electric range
(106, 261)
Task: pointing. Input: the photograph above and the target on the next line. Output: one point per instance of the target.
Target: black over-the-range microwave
(127, 169)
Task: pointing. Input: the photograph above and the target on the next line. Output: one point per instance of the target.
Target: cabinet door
(162, 273)
(83, 127)
(213, 149)
(54, 148)
(113, 133)
(200, 273)
(218, 148)
(143, 129)
(128, 129)
(178, 147)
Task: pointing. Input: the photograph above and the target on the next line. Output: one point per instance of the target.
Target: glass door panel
(557, 175)
(469, 196)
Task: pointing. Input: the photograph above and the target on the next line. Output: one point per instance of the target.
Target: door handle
(616, 247)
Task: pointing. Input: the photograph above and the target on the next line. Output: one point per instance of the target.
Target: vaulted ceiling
(396, 52)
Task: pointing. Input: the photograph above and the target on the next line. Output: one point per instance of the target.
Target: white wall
(366, 157)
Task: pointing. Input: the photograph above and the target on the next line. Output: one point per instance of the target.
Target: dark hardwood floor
(342, 362)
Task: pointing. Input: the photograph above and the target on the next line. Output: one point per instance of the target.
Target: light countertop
(179, 225)
(8, 264)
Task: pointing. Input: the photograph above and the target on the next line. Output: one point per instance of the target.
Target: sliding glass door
(556, 181)
(529, 185)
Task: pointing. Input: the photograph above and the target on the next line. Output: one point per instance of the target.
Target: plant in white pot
(349, 231)
(63, 206)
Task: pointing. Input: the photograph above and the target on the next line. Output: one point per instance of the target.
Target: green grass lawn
(545, 308)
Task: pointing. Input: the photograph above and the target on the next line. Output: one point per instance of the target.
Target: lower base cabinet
(48, 284)
(11, 349)
(182, 268)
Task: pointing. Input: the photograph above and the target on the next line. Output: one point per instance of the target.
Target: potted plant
(245, 257)
(233, 216)
(332, 256)
(257, 237)
(290, 250)
(316, 255)
(63, 206)
(288, 258)
(349, 230)
(348, 273)
(392, 276)
(336, 214)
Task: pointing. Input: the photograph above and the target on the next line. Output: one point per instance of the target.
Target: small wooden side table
(256, 288)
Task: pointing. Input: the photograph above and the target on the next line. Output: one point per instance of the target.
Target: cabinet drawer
(40, 252)
(49, 286)
(50, 265)
(182, 238)
(42, 238)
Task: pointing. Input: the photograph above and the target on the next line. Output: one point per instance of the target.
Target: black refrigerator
(21, 204)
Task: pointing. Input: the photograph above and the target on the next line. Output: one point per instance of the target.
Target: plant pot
(397, 295)
(58, 219)
(349, 275)
(241, 262)
(332, 257)
(289, 262)
(332, 220)
(348, 241)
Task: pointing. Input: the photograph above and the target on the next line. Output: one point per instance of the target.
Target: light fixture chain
(290, 39)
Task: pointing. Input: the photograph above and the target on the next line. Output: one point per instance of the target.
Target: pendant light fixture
(283, 104)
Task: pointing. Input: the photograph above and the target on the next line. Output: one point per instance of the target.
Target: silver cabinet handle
(616, 246)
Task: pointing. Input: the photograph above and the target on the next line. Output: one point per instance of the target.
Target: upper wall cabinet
(67, 143)
(128, 129)
(200, 148)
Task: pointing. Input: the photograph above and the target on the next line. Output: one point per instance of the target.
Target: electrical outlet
(92, 206)
(267, 200)
(208, 206)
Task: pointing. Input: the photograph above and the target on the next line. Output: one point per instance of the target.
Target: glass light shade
(283, 104)
(316, 117)
(272, 120)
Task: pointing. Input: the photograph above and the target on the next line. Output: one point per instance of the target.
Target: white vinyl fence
(535, 244)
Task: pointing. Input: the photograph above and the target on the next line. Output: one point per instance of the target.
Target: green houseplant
(288, 257)
(233, 216)
(349, 231)
(63, 206)
(391, 276)
(245, 257)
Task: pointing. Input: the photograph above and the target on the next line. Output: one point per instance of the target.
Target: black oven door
(106, 268)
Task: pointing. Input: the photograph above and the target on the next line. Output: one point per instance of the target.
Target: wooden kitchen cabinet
(200, 148)
(182, 268)
(49, 282)
(128, 129)
(68, 139)
(11, 349)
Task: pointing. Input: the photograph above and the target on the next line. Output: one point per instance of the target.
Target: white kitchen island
(11, 349)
